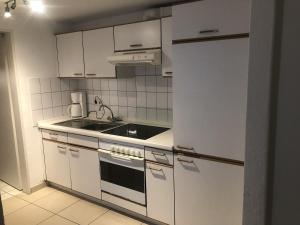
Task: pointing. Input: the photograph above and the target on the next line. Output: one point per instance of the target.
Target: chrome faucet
(102, 107)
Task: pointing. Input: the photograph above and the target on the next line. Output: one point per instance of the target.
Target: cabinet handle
(62, 149)
(73, 150)
(77, 74)
(159, 153)
(208, 31)
(186, 161)
(91, 74)
(135, 45)
(154, 169)
(180, 147)
(169, 72)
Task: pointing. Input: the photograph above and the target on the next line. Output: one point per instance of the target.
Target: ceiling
(78, 10)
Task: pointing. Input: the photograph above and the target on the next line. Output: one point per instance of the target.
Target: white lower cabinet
(57, 163)
(207, 192)
(85, 174)
(73, 167)
(160, 192)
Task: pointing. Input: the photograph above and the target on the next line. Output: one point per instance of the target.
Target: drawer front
(85, 141)
(160, 156)
(55, 136)
(211, 18)
(138, 36)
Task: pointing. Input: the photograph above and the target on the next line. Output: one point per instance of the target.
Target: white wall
(34, 56)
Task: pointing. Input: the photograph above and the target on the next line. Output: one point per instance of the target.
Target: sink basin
(89, 124)
(100, 126)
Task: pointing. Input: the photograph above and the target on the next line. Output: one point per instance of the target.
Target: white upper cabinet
(211, 18)
(98, 45)
(70, 55)
(138, 36)
(166, 27)
(210, 96)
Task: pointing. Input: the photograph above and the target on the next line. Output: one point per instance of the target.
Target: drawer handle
(154, 169)
(91, 74)
(77, 74)
(136, 45)
(208, 31)
(73, 150)
(169, 72)
(60, 147)
(185, 161)
(159, 153)
(188, 148)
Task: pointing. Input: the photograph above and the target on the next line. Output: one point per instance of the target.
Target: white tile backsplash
(162, 100)
(122, 98)
(34, 84)
(113, 84)
(46, 100)
(45, 85)
(104, 85)
(56, 99)
(55, 84)
(113, 97)
(36, 101)
(141, 99)
(151, 84)
(151, 100)
(50, 97)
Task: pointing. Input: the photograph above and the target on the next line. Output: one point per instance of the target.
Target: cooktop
(137, 131)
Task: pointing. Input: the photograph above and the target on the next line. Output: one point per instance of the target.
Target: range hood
(136, 57)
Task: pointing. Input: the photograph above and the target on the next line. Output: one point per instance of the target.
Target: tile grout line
(99, 216)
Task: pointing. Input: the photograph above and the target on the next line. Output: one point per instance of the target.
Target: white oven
(122, 171)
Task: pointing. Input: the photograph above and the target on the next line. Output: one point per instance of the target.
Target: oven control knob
(113, 149)
(132, 152)
(117, 149)
(122, 151)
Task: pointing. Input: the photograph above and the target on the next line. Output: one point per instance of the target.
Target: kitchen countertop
(161, 141)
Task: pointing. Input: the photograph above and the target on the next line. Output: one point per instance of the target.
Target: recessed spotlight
(7, 12)
(37, 6)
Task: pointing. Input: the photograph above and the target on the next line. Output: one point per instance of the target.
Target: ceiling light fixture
(7, 12)
(36, 6)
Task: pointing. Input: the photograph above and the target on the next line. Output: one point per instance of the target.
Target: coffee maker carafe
(77, 109)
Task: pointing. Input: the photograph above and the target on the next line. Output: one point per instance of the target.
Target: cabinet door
(70, 55)
(138, 36)
(166, 35)
(211, 18)
(98, 45)
(210, 96)
(160, 192)
(85, 173)
(207, 192)
(57, 163)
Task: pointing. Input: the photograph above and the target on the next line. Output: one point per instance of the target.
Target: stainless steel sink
(89, 124)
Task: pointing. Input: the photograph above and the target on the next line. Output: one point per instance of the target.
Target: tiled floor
(49, 206)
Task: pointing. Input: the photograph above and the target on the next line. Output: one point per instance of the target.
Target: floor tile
(113, 218)
(12, 204)
(57, 220)
(36, 195)
(5, 196)
(29, 215)
(8, 188)
(14, 192)
(75, 212)
(56, 201)
(2, 184)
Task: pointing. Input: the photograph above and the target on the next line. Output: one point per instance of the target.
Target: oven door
(123, 176)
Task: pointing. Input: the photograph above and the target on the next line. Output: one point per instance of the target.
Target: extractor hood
(136, 57)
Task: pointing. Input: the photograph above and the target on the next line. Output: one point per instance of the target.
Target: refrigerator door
(210, 97)
(207, 192)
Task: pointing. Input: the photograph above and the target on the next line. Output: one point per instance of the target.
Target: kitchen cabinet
(57, 163)
(207, 192)
(70, 55)
(166, 27)
(211, 18)
(140, 35)
(210, 97)
(98, 45)
(85, 174)
(160, 192)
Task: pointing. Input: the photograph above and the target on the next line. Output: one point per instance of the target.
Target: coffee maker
(78, 109)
